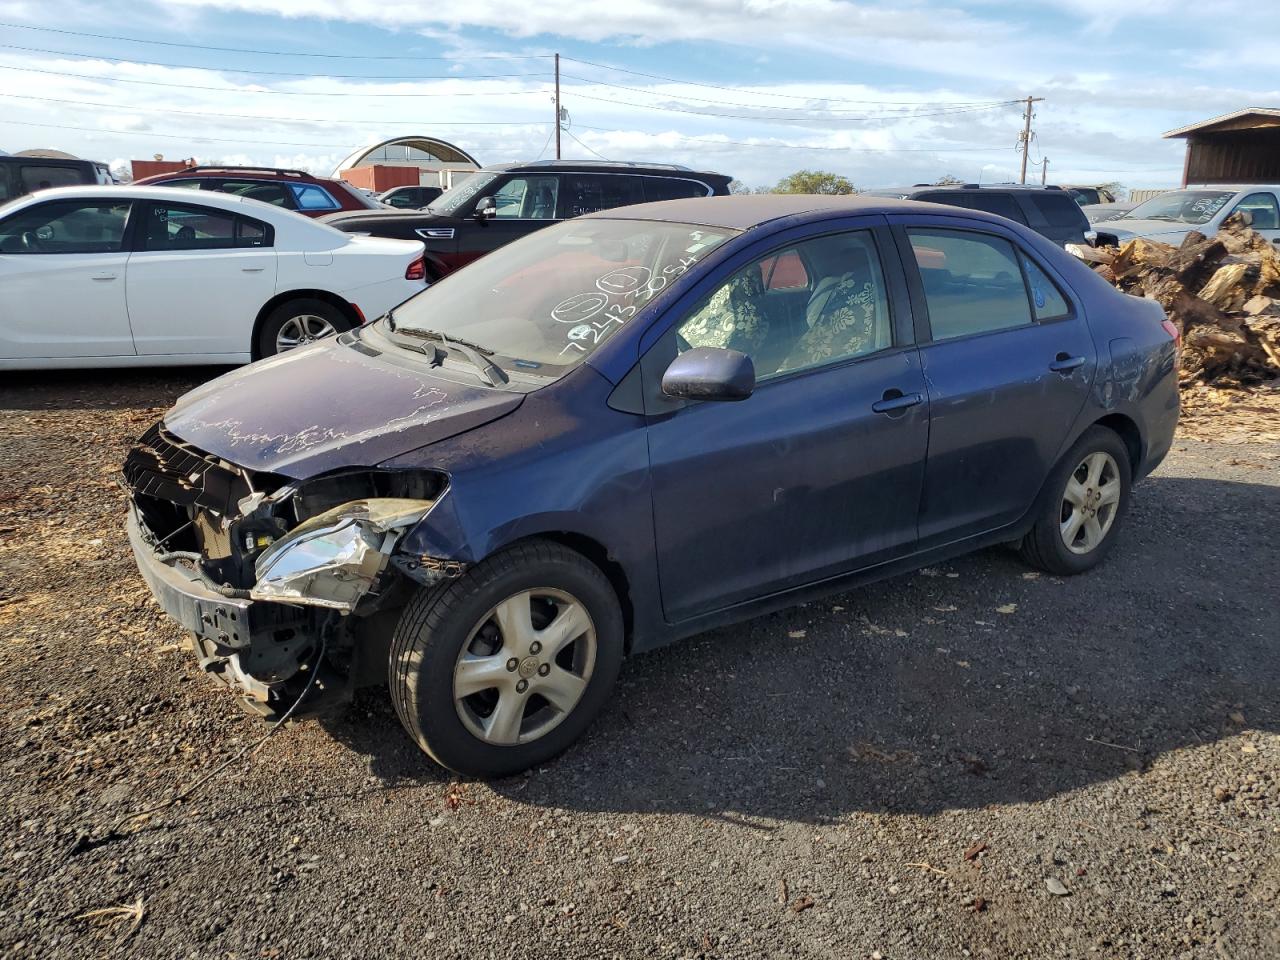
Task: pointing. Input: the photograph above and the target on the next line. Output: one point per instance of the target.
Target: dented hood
(327, 406)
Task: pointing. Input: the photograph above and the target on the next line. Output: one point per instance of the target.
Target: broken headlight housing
(333, 559)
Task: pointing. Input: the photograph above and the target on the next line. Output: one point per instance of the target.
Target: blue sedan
(632, 427)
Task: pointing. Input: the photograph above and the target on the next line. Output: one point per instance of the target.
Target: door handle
(251, 269)
(1065, 363)
(104, 276)
(896, 400)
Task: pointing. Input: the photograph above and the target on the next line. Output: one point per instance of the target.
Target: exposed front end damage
(261, 569)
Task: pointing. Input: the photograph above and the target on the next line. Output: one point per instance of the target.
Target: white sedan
(149, 276)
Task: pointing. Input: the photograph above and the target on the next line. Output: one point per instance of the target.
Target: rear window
(673, 188)
(1058, 209)
(1001, 204)
(42, 178)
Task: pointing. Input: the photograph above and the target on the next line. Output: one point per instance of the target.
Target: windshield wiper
(478, 355)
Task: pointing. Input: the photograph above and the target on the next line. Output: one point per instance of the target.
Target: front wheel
(506, 666)
(1085, 501)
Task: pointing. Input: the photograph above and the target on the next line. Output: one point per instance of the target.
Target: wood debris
(1222, 293)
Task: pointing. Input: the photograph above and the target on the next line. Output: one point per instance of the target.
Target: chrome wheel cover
(302, 329)
(525, 666)
(1090, 502)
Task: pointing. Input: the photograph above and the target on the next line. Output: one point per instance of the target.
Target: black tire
(436, 625)
(293, 309)
(1045, 546)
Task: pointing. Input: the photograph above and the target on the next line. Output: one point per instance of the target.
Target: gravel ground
(969, 761)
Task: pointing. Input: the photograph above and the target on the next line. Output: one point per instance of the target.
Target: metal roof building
(1239, 147)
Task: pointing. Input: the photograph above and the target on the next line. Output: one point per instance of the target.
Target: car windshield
(458, 201)
(1181, 206)
(546, 302)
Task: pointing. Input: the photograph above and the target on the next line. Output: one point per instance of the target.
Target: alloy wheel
(525, 666)
(302, 329)
(1090, 502)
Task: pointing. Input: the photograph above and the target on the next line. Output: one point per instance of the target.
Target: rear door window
(265, 191)
(673, 188)
(1001, 204)
(179, 227)
(588, 192)
(66, 226)
(36, 177)
(1058, 209)
(1047, 301)
(972, 282)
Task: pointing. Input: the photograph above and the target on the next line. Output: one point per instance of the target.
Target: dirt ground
(969, 761)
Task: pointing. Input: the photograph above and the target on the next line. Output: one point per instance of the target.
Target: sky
(883, 93)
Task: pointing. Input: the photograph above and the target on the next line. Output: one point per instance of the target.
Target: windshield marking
(625, 283)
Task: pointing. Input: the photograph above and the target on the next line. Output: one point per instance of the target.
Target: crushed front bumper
(253, 647)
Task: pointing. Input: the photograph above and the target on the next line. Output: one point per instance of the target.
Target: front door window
(527, 198)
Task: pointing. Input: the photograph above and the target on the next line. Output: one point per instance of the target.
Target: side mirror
(710, 373)
(487, 208)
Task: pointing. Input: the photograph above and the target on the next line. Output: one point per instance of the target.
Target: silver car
(1171, 216)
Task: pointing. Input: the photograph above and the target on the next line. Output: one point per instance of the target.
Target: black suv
(1049, 211)
(502, 203)
(23, 175)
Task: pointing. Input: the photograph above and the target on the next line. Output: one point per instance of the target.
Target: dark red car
(309, 195)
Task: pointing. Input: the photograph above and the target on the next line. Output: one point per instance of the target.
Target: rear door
(62, 280)
(1054, 214)
(197, 279)
(1008, 360)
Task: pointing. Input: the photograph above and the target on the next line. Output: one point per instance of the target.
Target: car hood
(329, 406)
(1151, 229)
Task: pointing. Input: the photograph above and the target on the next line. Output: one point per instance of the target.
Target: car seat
(845, 315)
(732, 318)
(544, 204)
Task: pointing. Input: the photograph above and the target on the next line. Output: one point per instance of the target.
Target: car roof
(203, 198)
(599, 166)
(749, 210)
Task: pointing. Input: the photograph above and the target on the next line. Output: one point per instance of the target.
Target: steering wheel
(31, 242)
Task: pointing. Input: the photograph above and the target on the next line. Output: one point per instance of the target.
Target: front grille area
(162, 467)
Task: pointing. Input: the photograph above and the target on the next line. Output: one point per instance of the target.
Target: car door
(819, 471)
(1264, 211)
(197, 279)
(62, 280)
(1008, 360)
(524, 203)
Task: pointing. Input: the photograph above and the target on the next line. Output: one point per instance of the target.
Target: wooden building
(1240, 147)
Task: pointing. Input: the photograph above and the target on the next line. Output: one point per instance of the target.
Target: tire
(306, 318)
(477, 627)
(1065, 511)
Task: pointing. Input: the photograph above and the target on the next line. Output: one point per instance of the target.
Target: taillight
(417, 270)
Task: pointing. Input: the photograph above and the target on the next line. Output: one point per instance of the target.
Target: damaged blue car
(632, 427)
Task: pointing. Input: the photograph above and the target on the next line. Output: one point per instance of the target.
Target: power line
(584, 146)
(962, 148)
(276, 53)
(813, 119)
(254, 116)
(196, 138)
(282, 93)
(273, 73)
(766, 106)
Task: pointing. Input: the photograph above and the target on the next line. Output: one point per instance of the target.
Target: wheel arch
(597, 554)
(279, 299)
(1129, 432)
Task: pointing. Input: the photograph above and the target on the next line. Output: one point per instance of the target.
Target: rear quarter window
(36, 177)
(673, 188)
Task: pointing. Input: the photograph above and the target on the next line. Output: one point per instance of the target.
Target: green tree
(737, 186)
(948, 180)
(815, 181)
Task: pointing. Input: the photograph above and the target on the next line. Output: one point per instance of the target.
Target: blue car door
(1009, 361)
(819, 471)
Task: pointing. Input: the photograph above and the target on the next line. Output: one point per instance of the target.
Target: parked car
(1089, 195)
(629, 428)
(152, 276)
(1102, 212)
(496, 205)
(1169, 217)
(1050, 211)
(22, 175)
(409, 198)
(296, 190)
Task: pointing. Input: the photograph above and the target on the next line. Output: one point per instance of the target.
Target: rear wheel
(296, 323)
(506, 666)
(1085, 501)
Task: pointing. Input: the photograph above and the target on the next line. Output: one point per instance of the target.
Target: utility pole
(1044, 171)
(1025, 139)
(558, 106)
